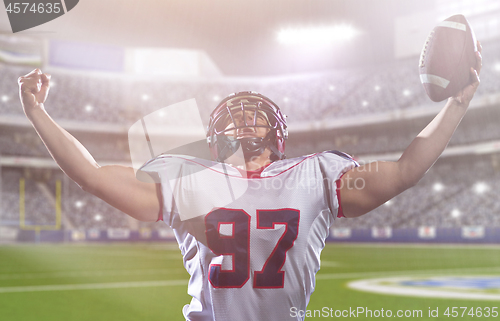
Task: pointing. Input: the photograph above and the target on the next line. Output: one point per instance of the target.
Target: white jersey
(251, 245)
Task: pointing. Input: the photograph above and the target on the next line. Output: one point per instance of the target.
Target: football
(446, 59)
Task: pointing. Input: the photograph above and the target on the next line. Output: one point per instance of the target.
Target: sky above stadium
(240, 36)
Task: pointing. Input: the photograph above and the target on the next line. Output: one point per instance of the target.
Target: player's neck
(253, 164)
(259, 161)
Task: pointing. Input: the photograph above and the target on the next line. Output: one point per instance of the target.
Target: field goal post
(22, 212)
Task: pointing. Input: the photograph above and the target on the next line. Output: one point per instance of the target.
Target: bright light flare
(480, 187)
(438, 187)
(456, 213)
(316, 36)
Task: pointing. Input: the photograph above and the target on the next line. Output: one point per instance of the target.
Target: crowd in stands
(124, 99)
(454, 193)
(460, 191)
(80, 209)
(86, 211)
(28, 197)
(25, 142)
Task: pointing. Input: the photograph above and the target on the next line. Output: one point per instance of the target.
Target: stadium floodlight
(406, 92)
(316, 35)
(377, 88)
(497, 66)
(438, 187)
(79, 204)
(98, 217)
(5, 98)
(480, 187)
(331, 88)
(456, 213)
(89, 108)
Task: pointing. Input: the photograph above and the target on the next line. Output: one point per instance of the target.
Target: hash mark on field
(330, 264)
(92, 286)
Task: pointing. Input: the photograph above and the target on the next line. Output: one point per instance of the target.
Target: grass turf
(130, 265)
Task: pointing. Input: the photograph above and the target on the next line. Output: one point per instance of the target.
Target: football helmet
(242, 110)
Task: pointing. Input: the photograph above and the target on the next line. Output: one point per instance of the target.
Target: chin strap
(226, 147)
(252, 147)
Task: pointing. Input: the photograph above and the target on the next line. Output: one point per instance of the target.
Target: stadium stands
(120, 98)
(458, 191)
(454, 193)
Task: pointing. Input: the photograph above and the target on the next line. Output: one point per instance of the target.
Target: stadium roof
(239, 35)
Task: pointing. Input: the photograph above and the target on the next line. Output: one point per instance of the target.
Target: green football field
(148, 282)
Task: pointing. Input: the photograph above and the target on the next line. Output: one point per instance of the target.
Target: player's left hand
(464, 96)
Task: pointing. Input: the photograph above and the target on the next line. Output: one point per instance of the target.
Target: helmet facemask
(250, 121)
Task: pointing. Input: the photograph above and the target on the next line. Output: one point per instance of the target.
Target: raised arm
(384, 180)
(114, 184)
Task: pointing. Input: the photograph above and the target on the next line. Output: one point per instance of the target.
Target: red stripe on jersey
(340, 213)
(243, 171)
(253, 174)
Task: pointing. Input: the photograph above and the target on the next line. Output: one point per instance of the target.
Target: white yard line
(330, 264)
(46, 275)
(116, 285)
(92, 286)
(331, 276)
(419, 245)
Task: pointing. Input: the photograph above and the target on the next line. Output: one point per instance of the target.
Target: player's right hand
(33, 90)
(464, 96)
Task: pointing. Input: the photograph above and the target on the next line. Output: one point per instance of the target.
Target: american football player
(252, 227)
